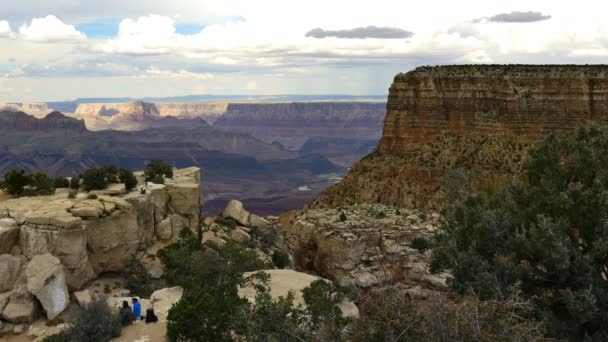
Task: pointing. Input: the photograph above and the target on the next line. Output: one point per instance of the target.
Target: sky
(66, 49)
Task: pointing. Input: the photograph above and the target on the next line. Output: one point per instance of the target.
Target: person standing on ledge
(136, 308)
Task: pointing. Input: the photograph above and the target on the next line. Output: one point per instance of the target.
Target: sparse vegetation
(544, 233)
(137, 278)
(61, 183)
(280, 259)
(95, 322)
(19, 183)
(156, 170)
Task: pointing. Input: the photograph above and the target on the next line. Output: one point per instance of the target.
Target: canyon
(476, 117)
(234, 165)
(341, 131)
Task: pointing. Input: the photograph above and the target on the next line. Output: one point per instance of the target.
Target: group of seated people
(130, 315)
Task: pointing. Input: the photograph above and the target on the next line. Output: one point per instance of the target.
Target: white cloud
(149, 35)
(50, 29)
(155, 72)
(5, 29)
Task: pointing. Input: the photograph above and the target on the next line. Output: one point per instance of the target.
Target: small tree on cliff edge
(156, 170)
(15, 181)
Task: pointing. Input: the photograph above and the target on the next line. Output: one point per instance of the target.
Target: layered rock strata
(53, 242)
(292, 124)
(474, 117)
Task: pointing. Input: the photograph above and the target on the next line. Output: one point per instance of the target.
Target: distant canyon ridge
(273, 156)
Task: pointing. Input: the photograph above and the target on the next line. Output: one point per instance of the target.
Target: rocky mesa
(52, 244)
(480, 117)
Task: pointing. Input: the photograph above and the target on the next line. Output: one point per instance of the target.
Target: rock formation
(281, 282)
(54, 121)
(39, 110)
(474, 117)
(293, 124)
(65, 242)
(364, 245)
(142, 115)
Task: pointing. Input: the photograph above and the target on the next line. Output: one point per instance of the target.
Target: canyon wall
(38, 110)
(292, 124)
(140, 115)
(473, 117)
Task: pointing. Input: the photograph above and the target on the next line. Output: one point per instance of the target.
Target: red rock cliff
(483, 117)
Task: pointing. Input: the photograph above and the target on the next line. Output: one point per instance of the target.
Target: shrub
(226, 222)
(421, 244)
(15, 182)
(61, 183)
(41, 184)
(156, 169)
(94, 179)
(265, 236)
(127, 177)
(389, 314)
(110, 173)
(280, 259)
(342, 217)
(207, 315)
(75, 182)
(95, 322)
(546, 231)
(137, 278)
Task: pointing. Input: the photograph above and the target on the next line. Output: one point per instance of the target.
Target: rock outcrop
(281, 282)
(10, 120)
(292, 124)
(46, 280)
(474, 117)
(39, 110)
(65, 242)
(140, 115)
(365, 245)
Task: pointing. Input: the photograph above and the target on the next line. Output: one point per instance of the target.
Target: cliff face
(292, 124)
(51, 122)
(474, 117)
(39, 110)
(140, 115)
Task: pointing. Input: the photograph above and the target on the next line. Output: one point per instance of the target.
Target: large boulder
(10, 268)
(69, 245)
(163, 300)
(20, 308)
(9, 235)
(240, 235)
(282, 282)
(235, 211)
(46, 280)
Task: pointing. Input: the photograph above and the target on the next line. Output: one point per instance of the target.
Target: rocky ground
(365, 245)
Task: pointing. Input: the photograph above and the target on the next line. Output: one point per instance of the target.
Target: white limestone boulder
(46, 280)
(281, 282)
(163, 300)
(235, 211)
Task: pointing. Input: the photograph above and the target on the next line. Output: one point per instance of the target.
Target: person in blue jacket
(136, 308)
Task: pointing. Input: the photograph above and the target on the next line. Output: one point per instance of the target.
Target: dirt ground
(142, 332)
(137, 332)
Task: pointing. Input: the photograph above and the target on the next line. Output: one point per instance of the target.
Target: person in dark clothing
(151, 316)
(126, 315)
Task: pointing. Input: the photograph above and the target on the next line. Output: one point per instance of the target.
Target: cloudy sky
(64, 49)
